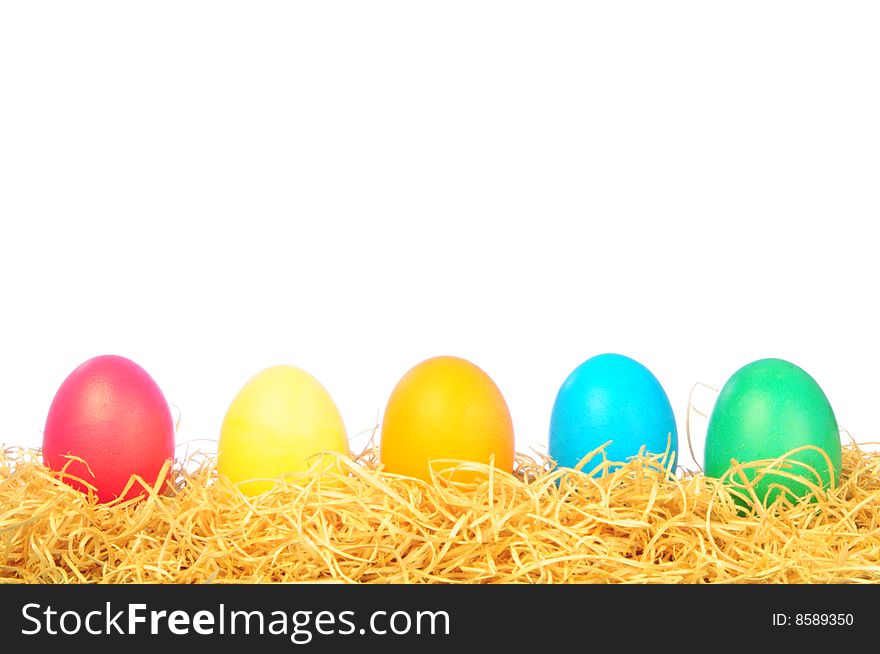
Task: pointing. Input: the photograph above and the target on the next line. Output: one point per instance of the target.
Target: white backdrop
(210, 188)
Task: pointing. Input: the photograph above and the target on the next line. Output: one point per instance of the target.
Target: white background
(210, 188)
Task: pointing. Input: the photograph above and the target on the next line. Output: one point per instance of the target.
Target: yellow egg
(278, 425)
(445, 408)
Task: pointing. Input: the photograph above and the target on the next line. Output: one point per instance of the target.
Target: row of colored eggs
(109, 421)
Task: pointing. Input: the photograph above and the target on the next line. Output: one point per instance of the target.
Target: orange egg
(445, 408)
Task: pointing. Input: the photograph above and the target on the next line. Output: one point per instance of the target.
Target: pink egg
(111, 414)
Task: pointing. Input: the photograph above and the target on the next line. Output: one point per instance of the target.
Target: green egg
(765, 410)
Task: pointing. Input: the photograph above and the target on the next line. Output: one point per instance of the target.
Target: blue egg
(611, 397)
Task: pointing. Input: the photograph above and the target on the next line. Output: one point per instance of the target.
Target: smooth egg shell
(111, 414)
(611, 397)
(277, 426)
(765, 410)
(445, 408)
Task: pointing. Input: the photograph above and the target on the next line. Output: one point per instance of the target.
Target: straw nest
(634, 524)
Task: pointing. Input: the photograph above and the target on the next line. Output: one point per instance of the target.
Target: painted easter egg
(765, 410)
(445, 408)
(613, 398)
(279, 424)
(111, 415)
